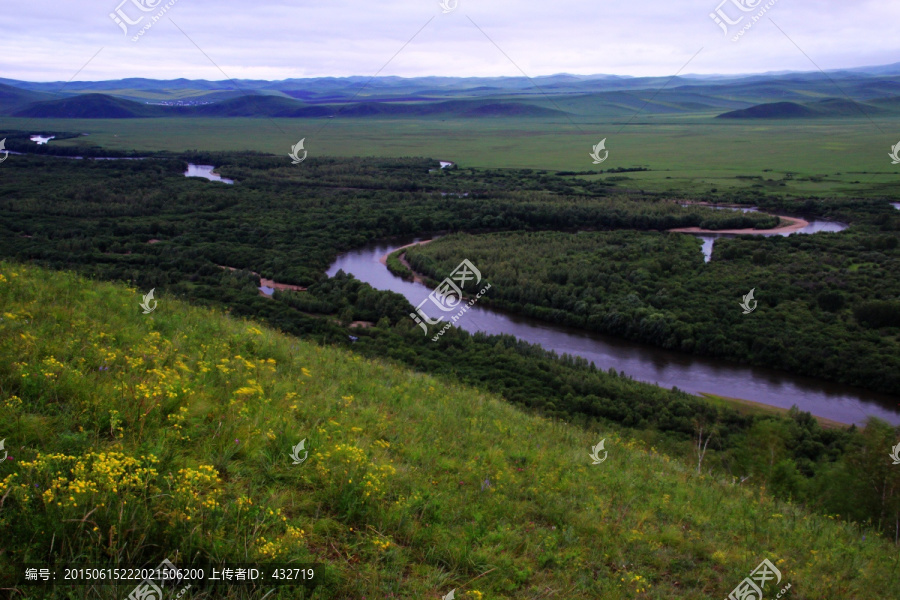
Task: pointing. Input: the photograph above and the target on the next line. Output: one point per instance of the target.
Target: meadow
(135, 437)
(693, 154)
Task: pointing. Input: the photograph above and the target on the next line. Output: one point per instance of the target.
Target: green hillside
(827, 108)
(774, 110)
(134, 437)
(103, 106)
(88, 106)
(13, 98)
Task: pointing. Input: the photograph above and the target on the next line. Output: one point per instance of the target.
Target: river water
(815, 226)
(205, 171)
(642, 362)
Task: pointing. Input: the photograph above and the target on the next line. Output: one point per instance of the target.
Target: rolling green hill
(88, 106)
(13, 98)
(103, 106)
(251, 106)
(827, 108)
(132, 437)
(773, 110)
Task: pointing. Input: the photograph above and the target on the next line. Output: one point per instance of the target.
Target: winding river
(694, 374)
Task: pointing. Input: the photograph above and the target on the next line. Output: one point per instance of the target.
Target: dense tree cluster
(284, 222)
(827, 303)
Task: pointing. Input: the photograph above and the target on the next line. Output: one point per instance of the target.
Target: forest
(144, 223)
(101, 214)
(828, 303)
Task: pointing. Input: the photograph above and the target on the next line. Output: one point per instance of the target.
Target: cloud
(278, 39)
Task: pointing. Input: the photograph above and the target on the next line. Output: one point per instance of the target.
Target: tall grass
(136, 437)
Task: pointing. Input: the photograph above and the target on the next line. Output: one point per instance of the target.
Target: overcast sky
(50, 40)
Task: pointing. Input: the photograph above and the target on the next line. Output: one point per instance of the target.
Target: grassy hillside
(88, 106)
(103, 106)
(775, 110)
(12, 98)
(827, 108)
(133, 437)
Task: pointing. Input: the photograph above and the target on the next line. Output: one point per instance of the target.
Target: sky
(57, 40)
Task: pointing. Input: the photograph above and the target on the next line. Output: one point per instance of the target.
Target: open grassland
(692, 154)
(133, 437)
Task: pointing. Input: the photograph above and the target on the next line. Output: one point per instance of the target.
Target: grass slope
(12, 98)
(827, 108)
(103, 106)
(88, 106)
(774, 110)
(135, 437)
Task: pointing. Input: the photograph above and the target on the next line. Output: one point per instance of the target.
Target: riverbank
(793, 225)
(749, 407)
(396, 263)
(383, 260)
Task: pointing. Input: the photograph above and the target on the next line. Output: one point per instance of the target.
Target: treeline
(827, 302)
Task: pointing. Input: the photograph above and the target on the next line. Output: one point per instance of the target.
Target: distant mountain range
(844, 93)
